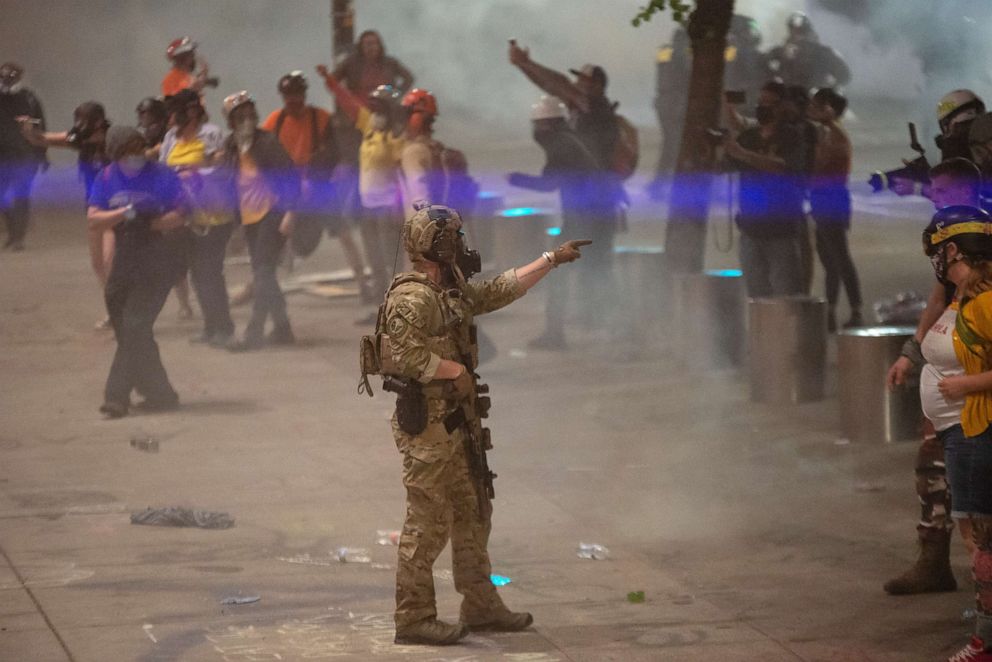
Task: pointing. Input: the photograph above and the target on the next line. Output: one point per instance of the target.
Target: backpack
(626, 151)
(323, 157)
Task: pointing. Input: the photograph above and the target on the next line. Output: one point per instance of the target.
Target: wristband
(911, 350)
(550, 257)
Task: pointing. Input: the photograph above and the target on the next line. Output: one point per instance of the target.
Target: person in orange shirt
(183, 75)
(305, 133)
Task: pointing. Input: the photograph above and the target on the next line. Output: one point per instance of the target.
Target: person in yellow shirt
(267, 186)
(190, 148)
(958, 242)
(379, 174)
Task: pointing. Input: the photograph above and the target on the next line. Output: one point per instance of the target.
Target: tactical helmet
(237, 100)
(969, 228)
(548, 108)
(420, 229)
(958, 106)
(152, 105)
(293, 83)
(420, 101)
(180, 46)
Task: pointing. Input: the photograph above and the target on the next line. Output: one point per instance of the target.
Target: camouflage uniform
(427, 323)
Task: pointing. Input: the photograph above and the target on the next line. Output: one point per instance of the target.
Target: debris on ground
(352, 555)
(592, 551)
(145, 443)
(203, 519)
(238, 600)
(384, 537)
(635, 597)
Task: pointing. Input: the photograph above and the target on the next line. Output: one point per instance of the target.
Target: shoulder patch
(396, 326)
(411, 313)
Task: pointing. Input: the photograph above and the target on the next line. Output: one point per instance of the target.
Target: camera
(917, 170)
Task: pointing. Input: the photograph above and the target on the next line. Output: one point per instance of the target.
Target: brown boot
(505, 621)
(932, 571)
(431, 632)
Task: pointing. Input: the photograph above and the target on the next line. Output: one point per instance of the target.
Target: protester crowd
(166, 194)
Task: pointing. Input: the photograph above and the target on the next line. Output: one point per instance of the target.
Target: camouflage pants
(931, 485)
(441, 502)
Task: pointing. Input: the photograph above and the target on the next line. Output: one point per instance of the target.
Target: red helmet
(420, 101)
(180, 46)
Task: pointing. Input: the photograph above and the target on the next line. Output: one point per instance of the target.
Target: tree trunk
(685, 236)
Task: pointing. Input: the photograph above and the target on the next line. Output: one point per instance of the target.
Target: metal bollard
(520, 235)
(710, 318)
(787, 349)
(869, 412)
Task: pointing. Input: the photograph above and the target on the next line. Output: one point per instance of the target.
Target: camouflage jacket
(427, 323)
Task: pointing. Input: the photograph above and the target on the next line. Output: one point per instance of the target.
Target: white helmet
(958, 106)
(548, 108)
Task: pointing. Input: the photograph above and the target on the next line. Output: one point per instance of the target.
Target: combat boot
(431, 632)
(932, 571)
(502, 621)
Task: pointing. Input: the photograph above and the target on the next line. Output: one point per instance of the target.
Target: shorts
(979, 476)
(958, 455)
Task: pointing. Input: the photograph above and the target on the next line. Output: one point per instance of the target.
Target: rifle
(478, 439)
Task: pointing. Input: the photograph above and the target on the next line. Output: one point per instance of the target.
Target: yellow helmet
(958, 106)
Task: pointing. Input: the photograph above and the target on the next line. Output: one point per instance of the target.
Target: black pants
(207, 269)
(265, 243)
(831, 210)
(143, 274)
(15, 198)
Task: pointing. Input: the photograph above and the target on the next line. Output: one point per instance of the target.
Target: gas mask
(448, 246)
(244, 134)
(955, 144)
(764, 114)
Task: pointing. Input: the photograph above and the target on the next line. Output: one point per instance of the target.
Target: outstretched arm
(553, 82)
(350, 102)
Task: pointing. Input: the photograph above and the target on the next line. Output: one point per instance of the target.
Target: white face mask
(132, 165)
(380, 122)
(244, 135)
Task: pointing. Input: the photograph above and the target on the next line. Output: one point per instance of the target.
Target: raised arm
(553, 82)
(349, 101)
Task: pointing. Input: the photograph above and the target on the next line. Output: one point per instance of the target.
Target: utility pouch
(411, 406)
(369, 362)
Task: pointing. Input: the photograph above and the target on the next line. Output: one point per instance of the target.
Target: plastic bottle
(352, 555)
(592, 551)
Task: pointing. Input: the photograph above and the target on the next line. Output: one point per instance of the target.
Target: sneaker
(550, 341)
(431, 632)
(220, 340)
(973, 652)
(112, 409)
(281, 336)
(149, 405)
(246, 344)
(509, 621)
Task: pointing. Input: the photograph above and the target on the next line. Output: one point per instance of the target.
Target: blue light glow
(553, 232)
(499, 580)
(639, 250)
(725, 273)
(516, 212)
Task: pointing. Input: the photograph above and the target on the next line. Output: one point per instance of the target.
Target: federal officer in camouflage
(428, 317)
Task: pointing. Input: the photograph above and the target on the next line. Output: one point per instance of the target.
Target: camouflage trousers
(441, 503)
(931, 485)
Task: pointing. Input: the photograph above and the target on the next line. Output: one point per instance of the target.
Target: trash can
(519, 234)
(787, 343)
(480, 226)
(869, 412)
(710, 318)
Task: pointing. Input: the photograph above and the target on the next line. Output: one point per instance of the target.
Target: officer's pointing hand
(569, 251)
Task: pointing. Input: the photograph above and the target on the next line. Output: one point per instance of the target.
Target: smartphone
(735, 97)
